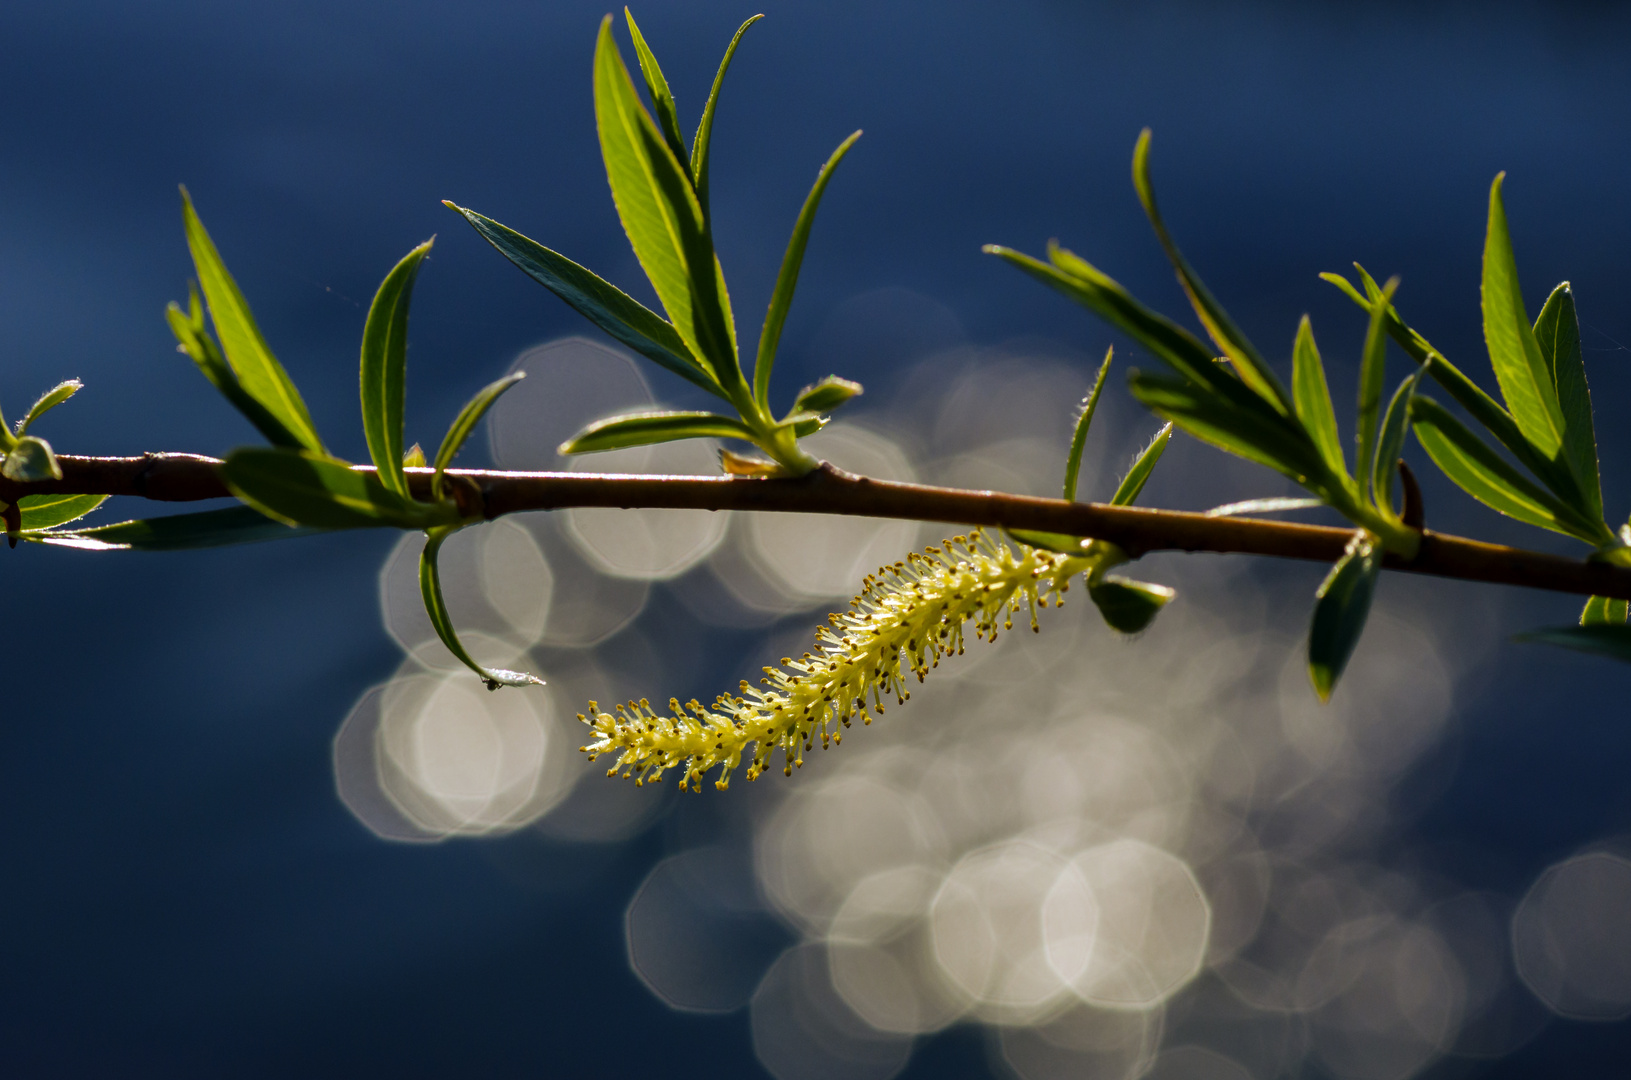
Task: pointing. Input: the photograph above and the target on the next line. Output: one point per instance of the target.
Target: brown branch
(188, 478)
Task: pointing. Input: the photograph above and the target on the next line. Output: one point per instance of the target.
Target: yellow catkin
(907, 617)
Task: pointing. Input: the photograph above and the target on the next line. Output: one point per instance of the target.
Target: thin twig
(188, 478)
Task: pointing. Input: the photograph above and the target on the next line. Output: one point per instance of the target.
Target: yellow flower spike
(907, 617)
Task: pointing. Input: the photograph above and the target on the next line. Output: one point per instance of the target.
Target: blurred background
(256, 825)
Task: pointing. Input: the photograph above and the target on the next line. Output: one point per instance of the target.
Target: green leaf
(1602, 611)
(196, 342)
(826, 395)
(258, 372)
(642, 429)
(49, 511)
(48, 401)
(414, 458)
(1084, 421)
(1607, 640)
(29, 459)
(1340, 608)
(384, 368)
(1485, 475)
(1093, 289)
(430, 587)
(1133, 483)
(1253, 369)
(705, 129)
(1372, 370)
(787, 278)
(1525, 378)
(1390, 443)
(1063, 543)
(661, 216)
(178, 532)
(300, 487)
(602, 303)
(1127, 605)
(1250, 429)
(1312, 397)
(465, 423)
(1557, 333)
(803, 427)
(1262, 506)
(662, 98)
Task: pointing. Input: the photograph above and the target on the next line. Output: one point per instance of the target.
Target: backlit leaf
(30, 458)
(662, 98)
(1133, 483)
(1607, 640)
(705, 128)
(50, 511)
(1557, 333)
(1127, 605)
(300, 487)
(1525, 378)
(1084, 421)
(466, 422)
(384, 368)
(1312, 397)
(195, 341)
(826, 395)
(1602, 611)
(1340, 609)
(642, 429)
(48, 401)
(430, 587)
(177, 532)
(1372, 371)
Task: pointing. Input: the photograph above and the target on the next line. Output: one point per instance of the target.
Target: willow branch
(189, 478)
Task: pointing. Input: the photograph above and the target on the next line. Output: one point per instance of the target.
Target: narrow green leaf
(300, 487)
(1602, 611)
(705, 128)
(826, 395)
(1133, 483)
(1526, 381)
(642, 429)
(1607, 640)
(384, 368)
(1390, 443)
(48, 401)
(430, 587)
(1372, 371)
(7, 439)
(1340, 609)
(804, 427)
(465, 423)
(787, 278)
(30, 458)
(1253, 369)
(1263, 506)
(661, 216)
(195, 341)
(1557, 333)
(177, 532)
(1482, 473)
(1084, 421)
(662, 98)
(1063, 543)
(602, 303)
(49, 511)
(259, 373)
(1312, 396)
(1127, 605)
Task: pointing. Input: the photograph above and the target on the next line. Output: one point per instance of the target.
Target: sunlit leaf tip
(1084, 422)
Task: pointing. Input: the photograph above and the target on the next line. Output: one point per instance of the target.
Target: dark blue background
(182, 894)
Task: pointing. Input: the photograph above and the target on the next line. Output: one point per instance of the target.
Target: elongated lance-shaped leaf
(661, 216)
(384, 368)
(195, 341)
(1478, 470)
(1253, 369)
(1557, 332)
(643, 429)
(787, 278)
(1390, 444)
(1312, 396)
(1602, 611)
(7, 439)
(1272, 505)
(1084, 421)
(662, 98)
(50, 511)
(430, 587)
(598, 300)
(48, 401)
(1372, 371)
(1105, 297)
(463, 424)
(1526, 380)
(826, 395)
(1340, 609)
(705, 127)
(259, 373)
(1132, 484)
(1607, 640)
(177, 532)
(1468, 394)
(300, 487)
